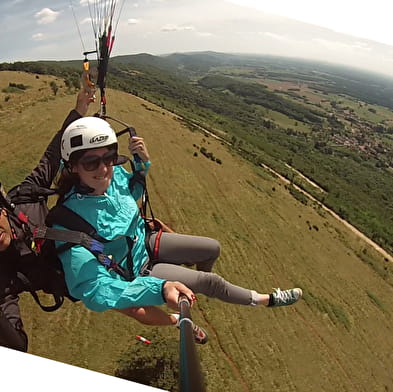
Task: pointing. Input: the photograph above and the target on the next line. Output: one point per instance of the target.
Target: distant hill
(339, 337)
(367, 86)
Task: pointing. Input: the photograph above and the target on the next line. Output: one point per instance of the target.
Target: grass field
(338, 338)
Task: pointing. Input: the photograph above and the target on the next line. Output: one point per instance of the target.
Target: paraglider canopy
(104, 15)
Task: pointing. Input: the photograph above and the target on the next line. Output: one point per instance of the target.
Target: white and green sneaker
(285, 297)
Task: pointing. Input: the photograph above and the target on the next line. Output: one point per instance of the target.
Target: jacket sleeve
(99, 290)
(46, 170)
(136, 181)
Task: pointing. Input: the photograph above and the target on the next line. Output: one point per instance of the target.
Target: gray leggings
(176, 249)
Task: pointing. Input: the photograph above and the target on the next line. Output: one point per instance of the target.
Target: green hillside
(331, 123)
(294, 116)
(339, 338)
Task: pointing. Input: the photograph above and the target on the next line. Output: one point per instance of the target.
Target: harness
(152, 225)
(22, 235)
(80, 232)
(77, 232)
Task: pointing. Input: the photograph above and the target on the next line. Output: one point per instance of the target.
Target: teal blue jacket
(114, 215)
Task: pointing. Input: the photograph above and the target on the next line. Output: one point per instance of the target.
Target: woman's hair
(68, 179)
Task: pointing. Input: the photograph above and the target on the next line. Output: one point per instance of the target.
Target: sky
(349, 32)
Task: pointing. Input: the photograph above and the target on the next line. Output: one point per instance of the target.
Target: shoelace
(282, 296)
(198, 331)
(199, 334)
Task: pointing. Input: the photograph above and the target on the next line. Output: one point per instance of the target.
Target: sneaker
(200, 335)
(285, 297)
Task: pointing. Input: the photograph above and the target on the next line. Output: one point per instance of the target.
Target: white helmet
(86, 133)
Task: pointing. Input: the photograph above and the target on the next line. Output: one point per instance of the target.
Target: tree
(54, 87)
(156, 365)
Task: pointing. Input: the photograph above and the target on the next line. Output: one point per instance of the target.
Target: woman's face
(95, 169)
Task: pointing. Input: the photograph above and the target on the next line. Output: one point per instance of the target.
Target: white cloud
(85, 21)
(362, 46)
(336, 45)
(275, 36)
(38, 37)
(249, 26)
(370, 20)
(206, 34)
(173, 27)
(46, 16)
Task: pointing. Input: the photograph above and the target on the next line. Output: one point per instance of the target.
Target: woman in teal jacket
(109, 206)
(115, 215)
(96, 188)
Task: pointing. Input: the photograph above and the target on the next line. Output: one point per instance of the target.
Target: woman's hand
(172, 291)
(136, 145)
(153, 225)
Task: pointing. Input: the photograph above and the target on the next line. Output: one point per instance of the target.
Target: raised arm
(44, 173)
(137, 148)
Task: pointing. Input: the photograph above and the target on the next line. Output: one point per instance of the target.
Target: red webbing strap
(157, 245)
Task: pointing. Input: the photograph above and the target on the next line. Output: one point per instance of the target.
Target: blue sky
(346, 32)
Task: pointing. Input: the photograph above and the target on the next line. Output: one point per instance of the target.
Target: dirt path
(305, 178)
(226, 356)
(370, 242)
(380, 250)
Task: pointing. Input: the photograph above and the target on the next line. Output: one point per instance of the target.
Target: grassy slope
(338, 338)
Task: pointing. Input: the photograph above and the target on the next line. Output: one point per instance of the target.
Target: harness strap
(29, 193)
(153, 251)
(130, 261)
(74, 237)
(71, 238)
(27, 284)
(71, 220)
(81, 232)
(139, 178)
(18, 219)
(157, 245)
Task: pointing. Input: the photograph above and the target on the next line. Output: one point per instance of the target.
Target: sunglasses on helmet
(92, 162)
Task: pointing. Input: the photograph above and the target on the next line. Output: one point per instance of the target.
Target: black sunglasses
(92, 162)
